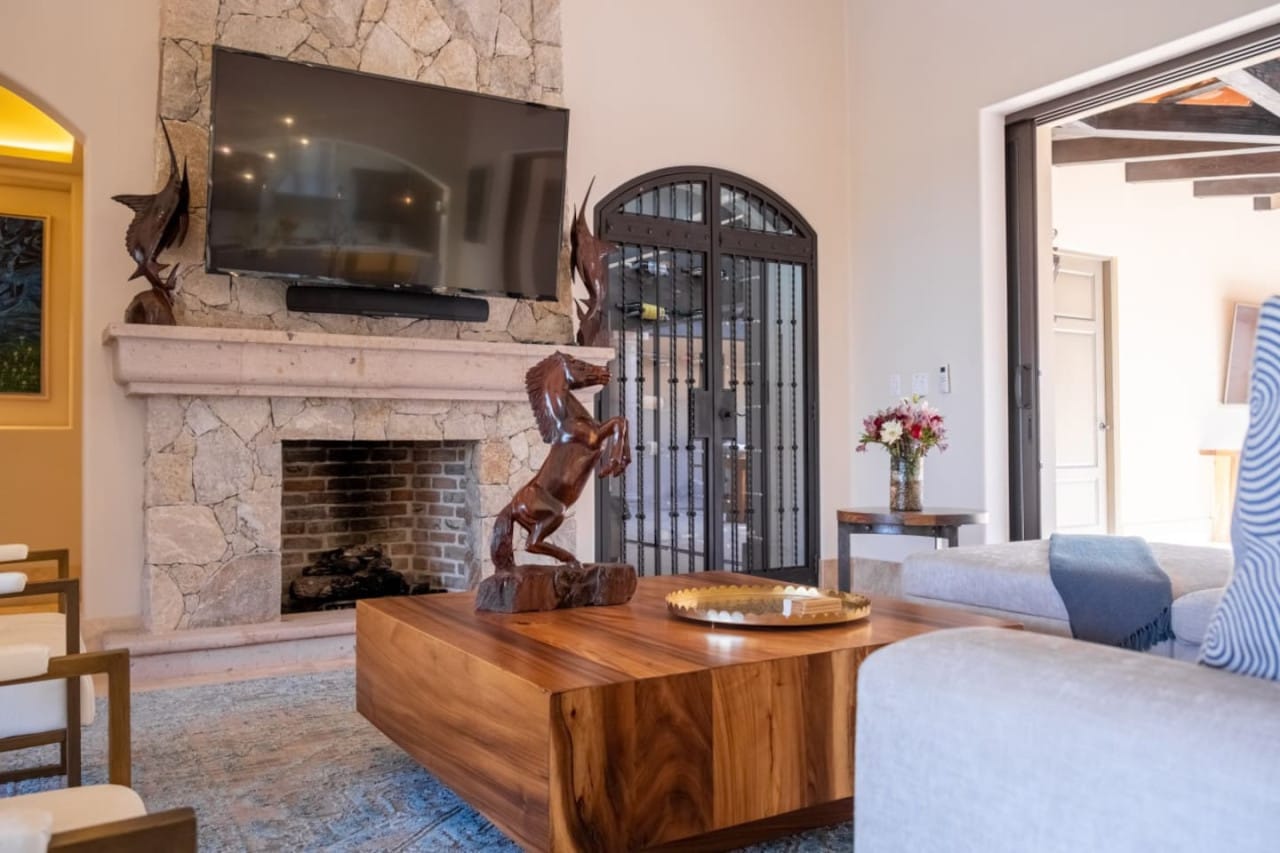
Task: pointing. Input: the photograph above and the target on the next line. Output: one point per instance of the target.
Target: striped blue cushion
(1244, 633)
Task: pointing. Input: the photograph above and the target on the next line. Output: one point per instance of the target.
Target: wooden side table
(938, 524)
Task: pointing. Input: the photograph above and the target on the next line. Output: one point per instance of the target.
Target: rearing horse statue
(578, 444)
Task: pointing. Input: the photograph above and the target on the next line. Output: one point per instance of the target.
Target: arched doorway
(40, 330)
(713, 318)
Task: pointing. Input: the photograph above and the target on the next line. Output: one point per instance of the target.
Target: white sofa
(1011, 580)
(990, 740)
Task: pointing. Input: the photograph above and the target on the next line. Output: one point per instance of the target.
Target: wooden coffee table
(624, 728)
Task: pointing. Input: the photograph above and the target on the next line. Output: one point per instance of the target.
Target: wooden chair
(66, 733)
(74, 811)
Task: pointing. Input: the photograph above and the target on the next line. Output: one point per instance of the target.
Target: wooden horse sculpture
(579, 444)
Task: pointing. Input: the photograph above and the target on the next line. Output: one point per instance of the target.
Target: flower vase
(906, 483)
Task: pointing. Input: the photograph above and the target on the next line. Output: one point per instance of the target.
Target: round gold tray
(777, 606)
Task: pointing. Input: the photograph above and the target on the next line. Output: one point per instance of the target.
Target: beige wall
(930, 81)
(93, 65)
(753, 86)
(1182, 264)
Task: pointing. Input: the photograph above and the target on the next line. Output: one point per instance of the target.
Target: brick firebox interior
(408, 497)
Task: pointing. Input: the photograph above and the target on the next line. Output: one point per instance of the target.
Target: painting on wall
(1244, 329)
(22, 286)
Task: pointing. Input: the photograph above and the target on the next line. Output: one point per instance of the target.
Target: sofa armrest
(990, 740)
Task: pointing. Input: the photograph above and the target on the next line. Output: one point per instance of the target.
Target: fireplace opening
(362, 519)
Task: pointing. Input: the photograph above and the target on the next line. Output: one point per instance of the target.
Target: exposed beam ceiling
(1236, 186)
(1102, 150)
(1188, 123)
(1236, 165)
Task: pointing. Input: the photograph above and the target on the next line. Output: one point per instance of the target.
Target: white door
(1080, 302)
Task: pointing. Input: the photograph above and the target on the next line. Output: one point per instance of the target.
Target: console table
(937, 524)
(624, 728)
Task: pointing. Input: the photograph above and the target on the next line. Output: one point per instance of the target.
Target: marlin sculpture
(159, 223)
(588, 257)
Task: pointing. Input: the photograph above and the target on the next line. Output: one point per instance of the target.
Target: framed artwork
(23, 272)
(1244, 329)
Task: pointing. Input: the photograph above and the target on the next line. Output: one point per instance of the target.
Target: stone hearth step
(298, 642)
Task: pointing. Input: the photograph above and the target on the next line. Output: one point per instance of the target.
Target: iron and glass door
(712, 320)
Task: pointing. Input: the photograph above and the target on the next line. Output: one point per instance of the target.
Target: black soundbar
(385, 303)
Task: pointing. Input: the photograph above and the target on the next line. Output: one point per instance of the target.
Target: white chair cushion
(25, 830)
(76, 808)
(12, 582)
(23, 660)
(42, 706)
(9, 553)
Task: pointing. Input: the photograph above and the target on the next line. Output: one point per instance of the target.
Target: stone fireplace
(223, 405)
(414, 503)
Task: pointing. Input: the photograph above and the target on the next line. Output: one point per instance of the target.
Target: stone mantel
(217, 362)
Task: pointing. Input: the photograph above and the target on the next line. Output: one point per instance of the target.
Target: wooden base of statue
(554, 587)
(150, 307)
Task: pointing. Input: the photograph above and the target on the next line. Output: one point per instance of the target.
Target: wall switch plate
(895, 385)
(944, 379)
(920, 383)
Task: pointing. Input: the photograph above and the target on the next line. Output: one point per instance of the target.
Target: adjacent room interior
(563, 425)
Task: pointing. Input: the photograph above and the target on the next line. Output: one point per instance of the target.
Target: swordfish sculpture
(159, 223)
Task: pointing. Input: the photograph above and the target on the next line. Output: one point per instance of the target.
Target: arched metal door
(713, 309)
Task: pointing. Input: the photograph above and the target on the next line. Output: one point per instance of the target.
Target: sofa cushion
(76, 808)
(1013, 577)
(1191, 614)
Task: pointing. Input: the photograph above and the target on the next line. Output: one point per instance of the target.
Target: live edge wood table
(937, 524)
(624, 728)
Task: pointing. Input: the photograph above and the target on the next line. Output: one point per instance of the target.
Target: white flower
(890, 432)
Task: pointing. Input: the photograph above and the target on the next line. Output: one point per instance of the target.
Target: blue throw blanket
(1114, 590)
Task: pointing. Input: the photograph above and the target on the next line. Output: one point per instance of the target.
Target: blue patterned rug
(288, 764)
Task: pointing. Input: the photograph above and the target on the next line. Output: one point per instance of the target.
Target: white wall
(1182, 264)
(754, 86)
(930, 82)
(94, 66)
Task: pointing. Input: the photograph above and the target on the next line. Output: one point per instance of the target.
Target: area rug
(287, 764)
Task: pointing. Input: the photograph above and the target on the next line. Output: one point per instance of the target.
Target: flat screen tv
(335, 177)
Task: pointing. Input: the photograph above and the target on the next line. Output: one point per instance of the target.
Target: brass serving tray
(767, 606)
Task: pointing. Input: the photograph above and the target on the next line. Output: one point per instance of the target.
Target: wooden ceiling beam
(1186, 168)
(1095, 149)
(1253, 88)
(1236, 186)
(1188, 122)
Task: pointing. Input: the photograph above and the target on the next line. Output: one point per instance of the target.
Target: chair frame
(68, 739)
(172, 831)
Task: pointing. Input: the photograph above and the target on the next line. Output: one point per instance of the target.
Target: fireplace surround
(221, 403)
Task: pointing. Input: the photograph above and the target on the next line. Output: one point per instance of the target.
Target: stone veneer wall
(214, 474)
(415, 499)
(503, 47)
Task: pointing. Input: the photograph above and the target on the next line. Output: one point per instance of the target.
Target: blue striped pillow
(1244, 633)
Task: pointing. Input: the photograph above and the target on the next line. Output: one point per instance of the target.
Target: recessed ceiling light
(248, 176)
(224, 149)
(305, 141)
(271, 155)
(288, 121)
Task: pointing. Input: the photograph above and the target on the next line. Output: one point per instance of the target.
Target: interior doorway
(40, 330)
(1204, 127)
(1081, 364)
